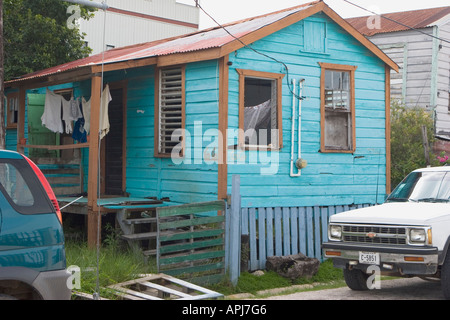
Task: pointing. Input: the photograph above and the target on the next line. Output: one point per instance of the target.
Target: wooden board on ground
(155, 287)
(162, 287)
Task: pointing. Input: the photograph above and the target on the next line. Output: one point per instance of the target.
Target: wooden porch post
(93, 215)
(223, 125)
(21, 119)
(388, 127)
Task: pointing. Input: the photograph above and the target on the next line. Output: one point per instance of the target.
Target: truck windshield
(429, 186)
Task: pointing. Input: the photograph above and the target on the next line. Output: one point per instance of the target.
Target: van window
(21, 187)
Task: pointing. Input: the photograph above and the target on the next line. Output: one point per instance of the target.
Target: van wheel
(356, 279)
(6, 297)
(445, 277)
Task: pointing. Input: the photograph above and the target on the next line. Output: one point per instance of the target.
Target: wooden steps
(140, 226)
(140, 221)
(188, 240)
(140, 236)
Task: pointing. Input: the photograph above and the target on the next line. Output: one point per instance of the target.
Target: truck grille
(374, 234)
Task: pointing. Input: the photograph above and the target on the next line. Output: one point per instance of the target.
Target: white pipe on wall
(299, 162)
(292, 131)
(300, 84)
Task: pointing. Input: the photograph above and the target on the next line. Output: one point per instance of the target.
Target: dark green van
(32, 254)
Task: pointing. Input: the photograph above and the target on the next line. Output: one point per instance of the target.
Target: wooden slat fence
(191, 241)
(286, 231)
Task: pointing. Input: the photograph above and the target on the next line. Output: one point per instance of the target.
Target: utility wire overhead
(254, 50)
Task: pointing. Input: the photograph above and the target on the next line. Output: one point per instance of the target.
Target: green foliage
(36, 36)
(407, 151)
(327, 273)
(250, 283)
(116, 264)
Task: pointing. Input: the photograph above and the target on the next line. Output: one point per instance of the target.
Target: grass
(250, 283)
(119, 263)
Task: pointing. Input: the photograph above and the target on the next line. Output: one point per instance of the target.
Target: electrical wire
(395, 21)
(253, 49)
(99, 221)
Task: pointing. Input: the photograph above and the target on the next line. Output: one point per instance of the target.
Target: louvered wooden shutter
(170, 108)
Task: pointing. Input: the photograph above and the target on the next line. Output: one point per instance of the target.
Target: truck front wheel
(356, 279)
(445, 277)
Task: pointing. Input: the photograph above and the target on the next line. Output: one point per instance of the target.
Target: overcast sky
(230, 10)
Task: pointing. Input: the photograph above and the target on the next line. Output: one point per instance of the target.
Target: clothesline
(59, 111)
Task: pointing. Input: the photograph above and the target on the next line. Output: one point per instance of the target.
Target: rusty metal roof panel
(417, 19)
(212, 38)
(206, 39)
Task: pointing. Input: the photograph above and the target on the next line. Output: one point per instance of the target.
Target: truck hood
(396, 213)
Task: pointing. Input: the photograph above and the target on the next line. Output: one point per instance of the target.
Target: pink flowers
(442, 158)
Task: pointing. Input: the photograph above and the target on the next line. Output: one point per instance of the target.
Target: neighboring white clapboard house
(138, 21)
(423, 55)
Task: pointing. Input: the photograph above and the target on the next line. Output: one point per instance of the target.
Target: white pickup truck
(408, 235)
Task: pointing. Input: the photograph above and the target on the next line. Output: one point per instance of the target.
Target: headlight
(417, 235)
(335, 232)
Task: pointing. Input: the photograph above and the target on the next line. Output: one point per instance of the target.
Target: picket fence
(254, 234)
(285, 231)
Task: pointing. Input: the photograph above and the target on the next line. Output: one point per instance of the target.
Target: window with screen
(337, 108)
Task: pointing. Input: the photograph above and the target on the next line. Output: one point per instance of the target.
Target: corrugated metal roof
(194, 42)
(201, 40)
(417, 19)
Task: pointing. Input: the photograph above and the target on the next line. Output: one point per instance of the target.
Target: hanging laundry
(87, 114)
(104, 118)
(67, 116)
(51, 118)
(79, 133)
(71, 112)
(75, 109)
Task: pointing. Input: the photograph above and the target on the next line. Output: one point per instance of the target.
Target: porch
(112, 204)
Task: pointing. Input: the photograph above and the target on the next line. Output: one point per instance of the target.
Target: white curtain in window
(256, 118)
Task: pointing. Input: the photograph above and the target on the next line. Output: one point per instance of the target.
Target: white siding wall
(443, 83)
(123, 30)
(418, 63)
(413, 52)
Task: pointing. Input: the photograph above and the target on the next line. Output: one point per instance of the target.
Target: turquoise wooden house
(296, 102)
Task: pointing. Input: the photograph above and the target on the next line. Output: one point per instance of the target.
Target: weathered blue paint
(329, 179)
(192, 180)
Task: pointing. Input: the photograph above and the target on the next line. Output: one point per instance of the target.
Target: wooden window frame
(9, 123)
(158, 70)
(343, 68)
(278, 77)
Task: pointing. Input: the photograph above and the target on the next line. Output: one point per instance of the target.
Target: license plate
(369, 258)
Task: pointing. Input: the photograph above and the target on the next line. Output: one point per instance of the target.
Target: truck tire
(445, 277)
(356, 279)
